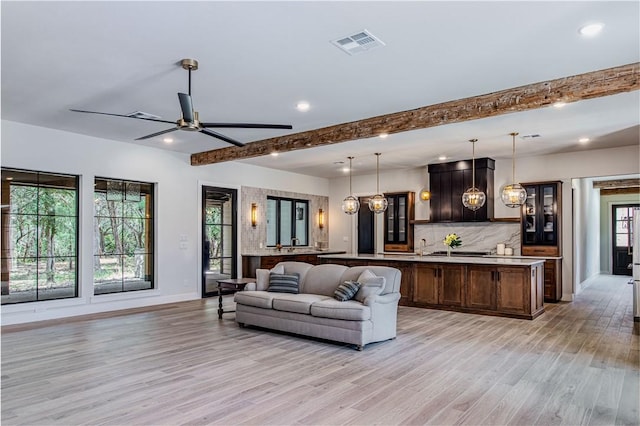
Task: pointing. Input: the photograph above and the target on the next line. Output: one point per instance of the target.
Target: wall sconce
(320, 218)
(254, 215)
(425, 194)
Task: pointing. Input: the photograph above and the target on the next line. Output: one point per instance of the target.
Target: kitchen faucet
(423, 246)
(294, 240)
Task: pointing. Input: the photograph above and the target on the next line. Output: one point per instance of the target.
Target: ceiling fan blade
(125, 116)
(187, 107)
(247, 125)
(162, 132)
(221, 137)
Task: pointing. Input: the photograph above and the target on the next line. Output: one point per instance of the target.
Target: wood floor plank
(178, 364)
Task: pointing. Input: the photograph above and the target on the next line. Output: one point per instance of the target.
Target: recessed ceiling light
(9, 178)
(584, 140)
(303, 106)
(345, 169)
(167, 140)
(274, 154)
(591, 30)
(559, 104)
(383, 135)
(442, 157)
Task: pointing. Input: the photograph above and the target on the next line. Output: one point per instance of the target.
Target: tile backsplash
(251, 238)
(475, 236)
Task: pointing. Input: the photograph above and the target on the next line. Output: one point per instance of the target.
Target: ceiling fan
(190, 120)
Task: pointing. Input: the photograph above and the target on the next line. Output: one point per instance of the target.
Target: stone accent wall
(475, 236)
(251, 238)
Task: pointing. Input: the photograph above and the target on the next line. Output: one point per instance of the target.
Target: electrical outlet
(345, 239)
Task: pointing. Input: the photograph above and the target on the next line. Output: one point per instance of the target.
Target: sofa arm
(382, 299)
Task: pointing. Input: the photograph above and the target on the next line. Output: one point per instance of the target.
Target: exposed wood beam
(620, 191)
(575, 88)
(618, 183)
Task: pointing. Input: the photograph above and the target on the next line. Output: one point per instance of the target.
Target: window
(287, 218)
(123, 236)
(39, 236)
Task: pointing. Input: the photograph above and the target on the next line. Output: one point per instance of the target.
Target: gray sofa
(314, 312)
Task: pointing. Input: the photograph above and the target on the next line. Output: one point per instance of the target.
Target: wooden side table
(235, 284)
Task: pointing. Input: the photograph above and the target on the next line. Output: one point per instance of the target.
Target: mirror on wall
(287, 219)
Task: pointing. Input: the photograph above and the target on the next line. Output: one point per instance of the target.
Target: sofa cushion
(262, 276)
(259, 299)
(323, 279)
(283, 283)
(299, 303)
(370, 284)
(346, 291)
(349, 310)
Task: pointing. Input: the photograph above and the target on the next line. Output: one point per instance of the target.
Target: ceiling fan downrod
(189, 64)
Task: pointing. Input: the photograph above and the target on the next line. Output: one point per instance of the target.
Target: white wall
(177, 213)
(561, 167)
(586, 230)
(606, 224)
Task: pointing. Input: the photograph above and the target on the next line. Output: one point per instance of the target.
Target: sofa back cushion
(300, 268)
(391, 276)
(323, 279)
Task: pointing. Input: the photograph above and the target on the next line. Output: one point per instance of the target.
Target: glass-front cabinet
(540, 215)
(398, 226)
(541, 228)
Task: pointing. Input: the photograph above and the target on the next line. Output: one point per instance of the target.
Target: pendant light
(350, 205)
(378, 203)
(513, 194)
(473, 198)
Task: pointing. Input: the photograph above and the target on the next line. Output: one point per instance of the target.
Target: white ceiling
(258, 59)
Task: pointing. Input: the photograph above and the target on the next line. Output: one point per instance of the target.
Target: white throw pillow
(262, 276)
(370, 284)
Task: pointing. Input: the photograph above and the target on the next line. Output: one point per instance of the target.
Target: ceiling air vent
(140, 114)
(535, 135)
(359, 42)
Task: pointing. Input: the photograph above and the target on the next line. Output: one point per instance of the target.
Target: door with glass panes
(622, 237)
(219, 236)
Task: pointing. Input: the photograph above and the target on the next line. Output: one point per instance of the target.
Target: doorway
(366, 228)
(219, 237)
(622, 238)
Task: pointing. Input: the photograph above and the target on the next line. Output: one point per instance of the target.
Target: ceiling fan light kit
(190, 119)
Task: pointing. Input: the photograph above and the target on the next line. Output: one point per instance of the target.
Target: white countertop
(285, 252)
(470, 260)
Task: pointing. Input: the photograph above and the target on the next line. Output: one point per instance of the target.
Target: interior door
(219, 237)
(622, 238)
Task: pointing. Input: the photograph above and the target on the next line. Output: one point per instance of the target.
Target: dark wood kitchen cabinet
(448, 181)
(398, 218)
(439, 284)
(541, 223)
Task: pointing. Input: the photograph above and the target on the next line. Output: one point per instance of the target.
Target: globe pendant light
(378, 203)
(473, 198)
(513, 194)
(350, 205)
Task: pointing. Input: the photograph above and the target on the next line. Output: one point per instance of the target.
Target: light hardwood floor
(178, 364)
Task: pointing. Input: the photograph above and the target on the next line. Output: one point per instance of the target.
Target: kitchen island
(268, 258)
(505, 286)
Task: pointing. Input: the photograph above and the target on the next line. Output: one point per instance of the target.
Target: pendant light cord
(513, 158)
(473, 165)
(377, 172)
(350, 189)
